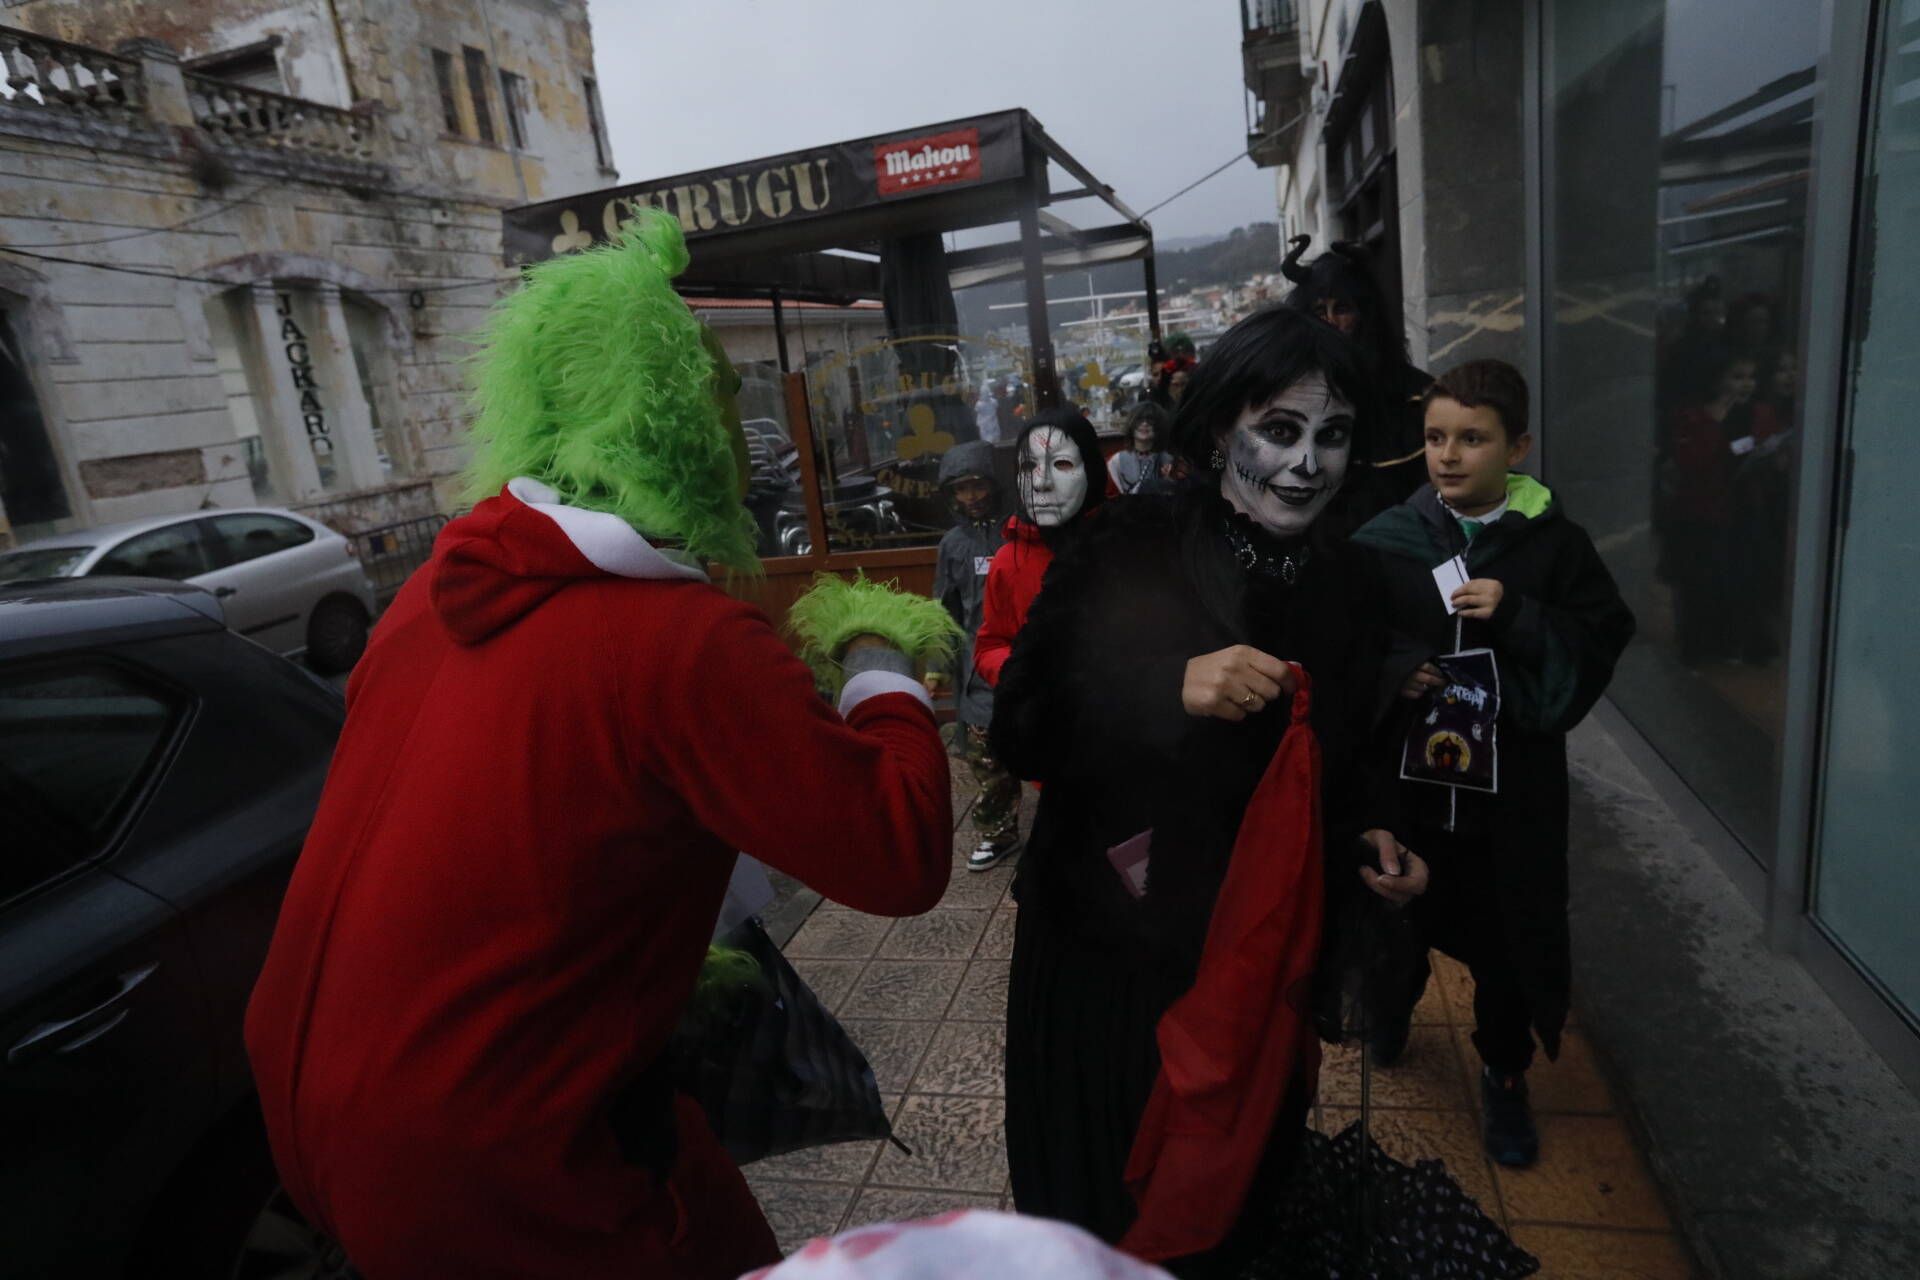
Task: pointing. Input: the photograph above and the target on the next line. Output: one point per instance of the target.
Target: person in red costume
(559, 736)
(1062, 478)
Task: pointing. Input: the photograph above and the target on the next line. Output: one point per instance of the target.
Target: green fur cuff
(835, 610)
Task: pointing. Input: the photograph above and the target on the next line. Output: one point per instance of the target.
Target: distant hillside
(1230, 259)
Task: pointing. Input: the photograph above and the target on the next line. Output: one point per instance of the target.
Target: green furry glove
(834, 611)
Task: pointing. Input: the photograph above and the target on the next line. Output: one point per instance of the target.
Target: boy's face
(974, 497)
(1469, 454)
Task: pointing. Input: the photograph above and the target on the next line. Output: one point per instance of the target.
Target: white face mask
(1053, 477)
(1287, 458)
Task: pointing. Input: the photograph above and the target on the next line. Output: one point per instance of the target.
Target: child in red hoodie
(1062, 477)
(559, 736)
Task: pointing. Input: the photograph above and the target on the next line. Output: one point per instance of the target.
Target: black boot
(1506, 1124)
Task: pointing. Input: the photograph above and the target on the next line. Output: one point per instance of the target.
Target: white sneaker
(987, 854)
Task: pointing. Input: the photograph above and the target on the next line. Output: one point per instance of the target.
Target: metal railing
(52, 75)
(1269, 16)
(257, 117)
(391, 552)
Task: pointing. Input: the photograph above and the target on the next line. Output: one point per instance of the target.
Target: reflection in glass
(1864, 888)
(1676, 232)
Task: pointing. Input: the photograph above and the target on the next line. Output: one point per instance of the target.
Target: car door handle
(67, 1034)
(221, 593)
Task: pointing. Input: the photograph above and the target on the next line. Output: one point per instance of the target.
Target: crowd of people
(1260, 677)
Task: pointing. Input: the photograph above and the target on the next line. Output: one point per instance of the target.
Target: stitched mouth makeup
(1294, 495)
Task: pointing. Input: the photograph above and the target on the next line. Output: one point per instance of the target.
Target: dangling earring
(1218, 461)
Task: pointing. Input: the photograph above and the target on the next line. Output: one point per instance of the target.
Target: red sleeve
(1698, 442)
(999, 619)
(858, 809)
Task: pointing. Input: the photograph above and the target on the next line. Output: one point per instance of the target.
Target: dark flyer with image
(1454, 739)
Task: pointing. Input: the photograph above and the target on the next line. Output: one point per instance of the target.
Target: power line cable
(214, 212)
(435, 287)
(1223, 168)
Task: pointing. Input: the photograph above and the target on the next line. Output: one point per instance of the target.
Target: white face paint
(1287, 458)
(1053, 477)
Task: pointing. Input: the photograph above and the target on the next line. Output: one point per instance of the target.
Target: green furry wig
(593, 378)
(835, 610)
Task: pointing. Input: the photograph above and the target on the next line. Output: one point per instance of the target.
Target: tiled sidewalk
(925, 998)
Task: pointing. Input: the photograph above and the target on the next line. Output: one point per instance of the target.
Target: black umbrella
(1349, 1211)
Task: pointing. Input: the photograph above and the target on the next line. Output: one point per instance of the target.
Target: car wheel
(336, 635)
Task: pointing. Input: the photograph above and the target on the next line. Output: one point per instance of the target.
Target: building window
(477, 86)
(597, 120)
(449, 101)
(513, 101)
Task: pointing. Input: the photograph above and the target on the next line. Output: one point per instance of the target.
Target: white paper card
(1449, 578)
(1742, 447)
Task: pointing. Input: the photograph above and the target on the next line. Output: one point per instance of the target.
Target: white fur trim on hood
(609, 543)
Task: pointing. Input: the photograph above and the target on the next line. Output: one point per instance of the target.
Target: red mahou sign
(916, 164)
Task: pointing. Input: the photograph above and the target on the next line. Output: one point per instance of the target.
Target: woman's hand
(1232, 684)
(1426, 677)
(1403, 874)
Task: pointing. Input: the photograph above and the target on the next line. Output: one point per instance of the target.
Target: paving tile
(830, 980)
(997, 943)
(938, 935)
(983, 993)
(959, 1144)
(1589, 1175)
(966, 1058)
(894, 1204)
(846, 1162)
(1456, 986)
(1588, 1253)
(838, 935)
(1427, 1075)
(893, 1048)
(904, 989)
(799, 1211)
(1573, 1085)
(978, 888)
(1452, 1137)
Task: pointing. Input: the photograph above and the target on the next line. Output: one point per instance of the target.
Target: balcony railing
(54, 76)
(1269, 16)
(256, 117)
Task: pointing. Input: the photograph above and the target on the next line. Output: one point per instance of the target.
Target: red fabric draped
(1234, 1043)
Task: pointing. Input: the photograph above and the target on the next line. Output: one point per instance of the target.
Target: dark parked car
(157, 777)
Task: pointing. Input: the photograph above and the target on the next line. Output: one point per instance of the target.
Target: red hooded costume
(554, 744)
(1013, 580)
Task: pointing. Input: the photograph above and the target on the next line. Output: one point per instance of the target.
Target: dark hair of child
(1492, 383)
(1154, 416)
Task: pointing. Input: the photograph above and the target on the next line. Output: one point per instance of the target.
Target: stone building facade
(1397, 124)
(244, 245)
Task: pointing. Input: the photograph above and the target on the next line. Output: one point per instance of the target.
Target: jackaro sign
(834, 179)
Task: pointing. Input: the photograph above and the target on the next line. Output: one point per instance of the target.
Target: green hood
(1419, 526)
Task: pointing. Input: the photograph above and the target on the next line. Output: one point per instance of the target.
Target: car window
(78, 740)
(41, 562)
(173, 552)
(248, 537)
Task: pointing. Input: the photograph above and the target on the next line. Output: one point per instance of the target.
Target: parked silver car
(288, 582)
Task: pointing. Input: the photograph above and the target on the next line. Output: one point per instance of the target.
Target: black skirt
(1081, 1065)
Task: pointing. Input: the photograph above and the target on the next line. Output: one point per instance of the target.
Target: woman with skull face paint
(1062, 475)
(1155, 651)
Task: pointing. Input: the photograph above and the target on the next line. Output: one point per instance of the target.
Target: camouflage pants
(996, 814)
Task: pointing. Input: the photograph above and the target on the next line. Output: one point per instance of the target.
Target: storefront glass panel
(1678, 137)
(1865, 891)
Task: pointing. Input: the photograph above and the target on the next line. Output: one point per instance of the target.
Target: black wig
(1257, 359)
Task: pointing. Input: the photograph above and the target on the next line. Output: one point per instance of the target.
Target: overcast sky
(1145, 93)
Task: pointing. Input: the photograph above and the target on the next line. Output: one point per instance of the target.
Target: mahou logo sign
(916, 164)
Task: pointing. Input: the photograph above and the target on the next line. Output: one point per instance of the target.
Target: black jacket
(1560, 627)
(1089, 705)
